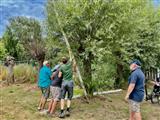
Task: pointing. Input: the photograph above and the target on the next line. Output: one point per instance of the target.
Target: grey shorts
(134, 106)
(67, 88)
(55, 93)
(45, 92)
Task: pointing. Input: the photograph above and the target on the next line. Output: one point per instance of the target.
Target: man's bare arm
(130, 89)
(53, 75)
(60, 74)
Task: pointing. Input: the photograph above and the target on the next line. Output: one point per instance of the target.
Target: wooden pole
(71, 54)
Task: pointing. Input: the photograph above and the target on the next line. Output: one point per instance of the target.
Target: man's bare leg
(62, 115)
(54, 104)
(132, 114)
(50, 105)
(68, 103)
(68, 107)
(43, 103)
(137, 116)
(62, 104)
(40, 103)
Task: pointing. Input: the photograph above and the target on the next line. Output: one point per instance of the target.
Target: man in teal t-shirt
(67, 85)
(44, 83)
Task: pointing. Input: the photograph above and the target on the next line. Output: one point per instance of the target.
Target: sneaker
(43, 112)
(62, 115)
(51, 115)
(48, 112)
(38, 108)
(67, 113)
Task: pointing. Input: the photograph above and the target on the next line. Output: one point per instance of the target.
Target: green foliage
(133, 34)
(55, 50)
(107, 32)
(103, 76)
(25, 29)
(73, 20)
(25, 73)
(22, 53)
(24, 36)
(3, 72)
(25, 33)
(10, 43)
(3, 51)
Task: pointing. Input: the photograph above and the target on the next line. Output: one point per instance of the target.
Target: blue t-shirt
(137, 77)
(44, 77)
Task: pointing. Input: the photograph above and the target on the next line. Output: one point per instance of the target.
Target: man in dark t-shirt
(55, 90)
(135, 93)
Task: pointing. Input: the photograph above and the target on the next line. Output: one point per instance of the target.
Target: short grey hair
(45, 63)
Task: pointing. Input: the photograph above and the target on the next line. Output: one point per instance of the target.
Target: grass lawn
(19, 102)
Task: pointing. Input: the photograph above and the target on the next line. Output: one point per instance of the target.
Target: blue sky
(28, 8)
(156, 2)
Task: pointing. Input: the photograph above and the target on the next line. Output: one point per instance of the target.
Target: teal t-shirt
(66, 70)
(44, 77)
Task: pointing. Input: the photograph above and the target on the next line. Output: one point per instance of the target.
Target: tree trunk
(10, 78)
(40, 64)
(119, 76)
(10, 64)
(87, 69)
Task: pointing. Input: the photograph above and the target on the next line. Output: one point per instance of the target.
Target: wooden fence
(152, 73)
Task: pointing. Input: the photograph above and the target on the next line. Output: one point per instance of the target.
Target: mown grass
(19, 102)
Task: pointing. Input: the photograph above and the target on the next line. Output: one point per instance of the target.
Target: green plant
(25, 73)
(101, 31)
(3, 51)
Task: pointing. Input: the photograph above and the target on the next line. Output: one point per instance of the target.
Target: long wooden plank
(71, 54)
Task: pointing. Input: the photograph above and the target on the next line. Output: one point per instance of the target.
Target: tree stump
(9, 63)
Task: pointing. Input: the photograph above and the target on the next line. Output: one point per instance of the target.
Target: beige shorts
(55, 93)
(134, 106)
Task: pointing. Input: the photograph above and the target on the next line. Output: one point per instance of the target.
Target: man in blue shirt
(44, 83)
(135, 92)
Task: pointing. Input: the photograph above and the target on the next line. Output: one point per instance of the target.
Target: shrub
(3, 73)
(104, 76)
(25, 73)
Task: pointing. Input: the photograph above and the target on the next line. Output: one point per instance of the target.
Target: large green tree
(76, 20)
(106, 32)
(131, 32)
(28, 33)
(3, 51)
(10, 43)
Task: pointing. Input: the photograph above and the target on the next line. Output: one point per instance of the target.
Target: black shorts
(45, 92)
(67, 88)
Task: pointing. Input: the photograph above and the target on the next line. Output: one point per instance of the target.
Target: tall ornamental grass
(22, 73)
(25, 73)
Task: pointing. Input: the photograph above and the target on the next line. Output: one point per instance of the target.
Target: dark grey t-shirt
(57, 82)
(137, 77)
